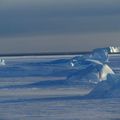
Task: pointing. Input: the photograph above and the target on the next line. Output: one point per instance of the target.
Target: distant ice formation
(112, 49)
(2, 62)
(92, 67)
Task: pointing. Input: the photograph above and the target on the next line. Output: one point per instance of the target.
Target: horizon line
(43, 54)
(47, 53)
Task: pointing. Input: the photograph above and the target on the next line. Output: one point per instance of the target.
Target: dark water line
(48, 54)
(43, 54)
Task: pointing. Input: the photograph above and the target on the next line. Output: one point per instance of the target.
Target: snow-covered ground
(85, 87)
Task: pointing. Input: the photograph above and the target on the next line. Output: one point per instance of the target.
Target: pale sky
(28, 26)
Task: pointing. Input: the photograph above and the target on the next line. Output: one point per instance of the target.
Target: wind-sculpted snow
(88, 69)
(85, 87)
(95, 67)
(92, 67)
(97, 70)
(109, 88)
(99, 54)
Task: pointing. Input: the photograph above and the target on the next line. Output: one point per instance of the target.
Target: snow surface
(84, 87)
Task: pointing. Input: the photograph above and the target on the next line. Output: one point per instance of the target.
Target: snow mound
(109, 88)
(92, 67)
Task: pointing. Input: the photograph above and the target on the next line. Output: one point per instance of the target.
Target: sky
(37, 26)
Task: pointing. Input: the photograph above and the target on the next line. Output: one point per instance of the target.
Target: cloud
(13, 3)
(25, 23)
(26, 18)
(58, 43)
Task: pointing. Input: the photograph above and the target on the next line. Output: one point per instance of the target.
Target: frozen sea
(36, 88)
